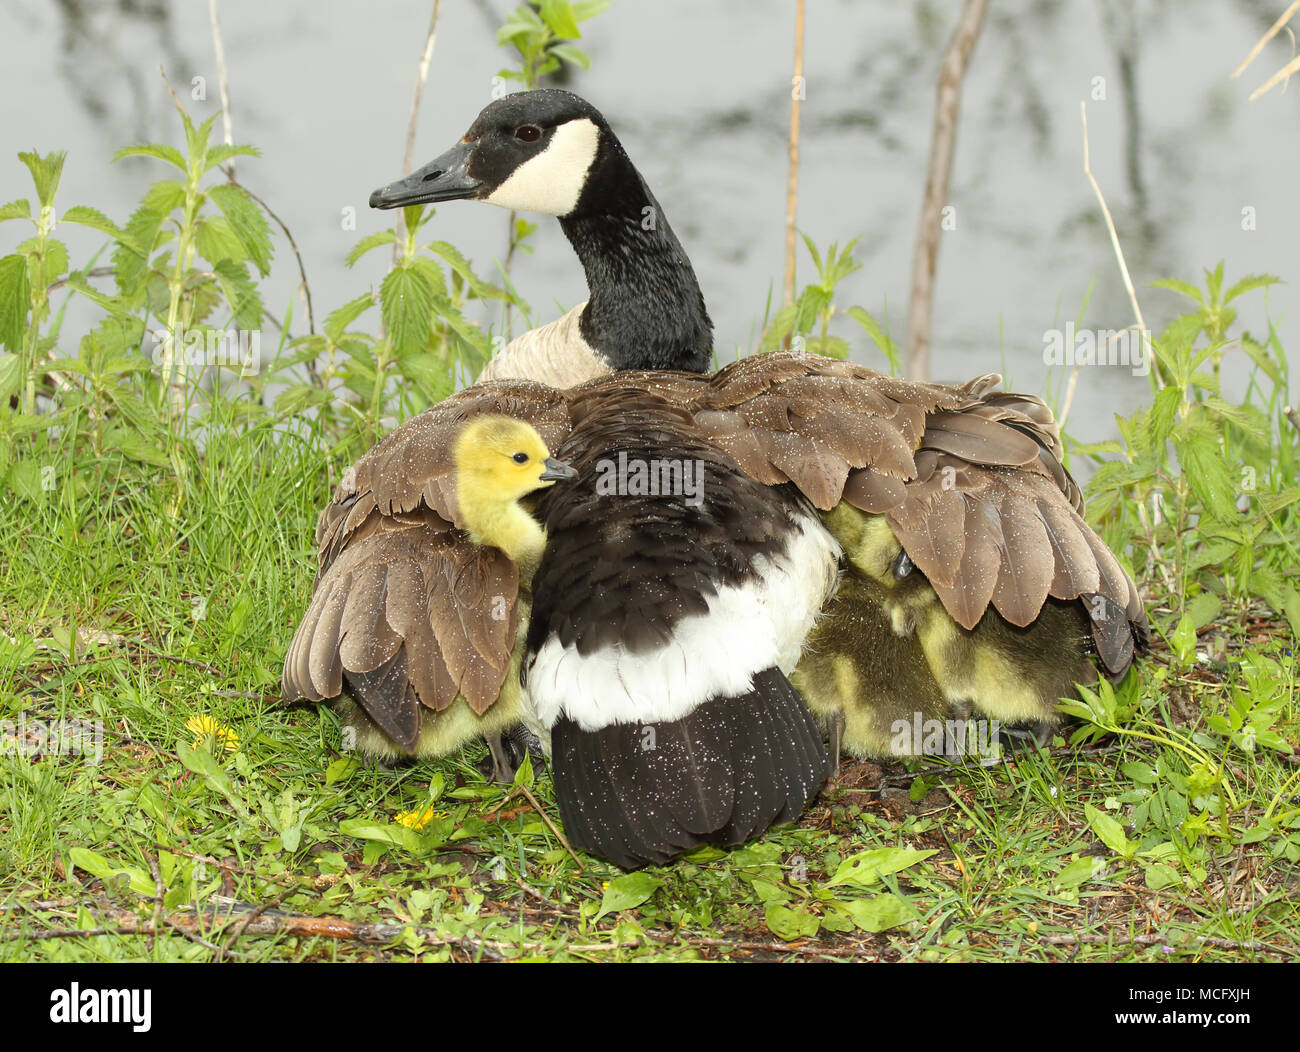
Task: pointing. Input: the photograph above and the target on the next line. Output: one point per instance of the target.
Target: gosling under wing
(401, 622)
(412, 628)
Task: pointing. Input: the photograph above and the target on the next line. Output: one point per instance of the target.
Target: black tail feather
(641, 794)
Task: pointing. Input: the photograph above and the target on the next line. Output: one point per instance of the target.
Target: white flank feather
(746, 630)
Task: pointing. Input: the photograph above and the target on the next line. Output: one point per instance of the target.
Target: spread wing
(970, 478)
(407, 612)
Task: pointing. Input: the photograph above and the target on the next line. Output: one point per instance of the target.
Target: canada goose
(998, 585)
(381, 578)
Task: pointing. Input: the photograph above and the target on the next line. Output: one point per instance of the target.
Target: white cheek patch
(552, 181)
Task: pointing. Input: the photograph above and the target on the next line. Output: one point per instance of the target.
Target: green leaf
(627, 891)
(769, 892)
(406, 302)
(1291, 609)
(240, 292)
(1214, 283)
(94, 219)
(98, 866)
(379, 237)
(216, 240)
(1160, 876)
(1183, 640)
(202, 763)
(1204, 609)
(790, 924)
(338, 321)
(867, 867)
(20, 209)
(389, 833)
(1109, 831)
(1089, 867)
(456, 260)
(130, 260)
(1163, 413)
(135, 446)
(1208, 475)
(429, 375)
(11, 376)
(248, 221)
(585, 9)
(46, 172)
(197, 138)
(157, 150)
(879, 913)
(1260, 356)
(575, 56)
(1183, 287)
(878, 336)
(1139, 772)
(521, 24)
(15, 301)
(221, 154)
(1249, 283)
(164, 197)
(558, 14)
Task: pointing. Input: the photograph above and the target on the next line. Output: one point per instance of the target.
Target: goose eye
(528, 133)
(520, 458)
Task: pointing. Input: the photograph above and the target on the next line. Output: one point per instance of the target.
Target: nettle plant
(1204, 486)
(804, 325)
(181, 279)
(426, 339)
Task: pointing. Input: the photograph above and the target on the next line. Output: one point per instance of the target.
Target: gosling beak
(446, 179)
(557, 470)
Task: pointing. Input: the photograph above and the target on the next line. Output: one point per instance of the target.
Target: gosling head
(498, 460)
(532, 150)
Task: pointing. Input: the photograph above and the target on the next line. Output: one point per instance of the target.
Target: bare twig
(1285, 73)
(942, 147)
(241, 926)
(93, 272)
(221, 80)
(423, 75)
(1119, 252)
(792, 183)
(1272, 32)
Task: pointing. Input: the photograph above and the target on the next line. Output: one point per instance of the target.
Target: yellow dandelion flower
(205, 727)
(417, 820)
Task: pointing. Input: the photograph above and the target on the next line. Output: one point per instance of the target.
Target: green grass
(287, 849)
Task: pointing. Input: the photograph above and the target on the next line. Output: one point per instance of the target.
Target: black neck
(645, 309)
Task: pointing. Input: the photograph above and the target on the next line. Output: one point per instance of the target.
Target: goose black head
(531, 151)
(550, 151)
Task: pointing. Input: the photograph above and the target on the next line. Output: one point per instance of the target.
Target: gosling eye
(903, 565)
(528, 133)
(520, 458)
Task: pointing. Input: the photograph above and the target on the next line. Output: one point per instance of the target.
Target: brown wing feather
(407, 612)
